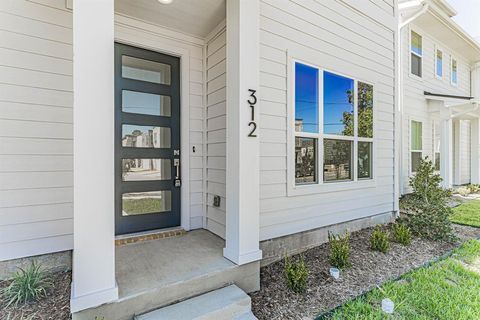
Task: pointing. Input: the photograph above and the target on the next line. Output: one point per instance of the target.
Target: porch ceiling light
(165, 1)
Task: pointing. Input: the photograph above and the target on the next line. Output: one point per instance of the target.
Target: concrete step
(222, 304)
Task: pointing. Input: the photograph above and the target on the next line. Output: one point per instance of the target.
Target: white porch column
(242, 203)
(446, 152)
(475, 127)
(456, 152)
(93, 83)
(475, 154)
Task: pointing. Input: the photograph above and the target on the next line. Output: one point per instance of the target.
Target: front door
(147, 140)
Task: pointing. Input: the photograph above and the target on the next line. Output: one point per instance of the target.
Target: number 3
(252, 94)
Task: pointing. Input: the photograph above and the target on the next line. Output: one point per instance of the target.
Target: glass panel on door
(137, 203)
(146, 169)
(146, 103)
(145, 70)
(134, 136)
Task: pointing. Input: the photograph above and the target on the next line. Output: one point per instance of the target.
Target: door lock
(178, 181)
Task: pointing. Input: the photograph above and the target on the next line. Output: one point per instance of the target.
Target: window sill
(415, 77)
(327, 187)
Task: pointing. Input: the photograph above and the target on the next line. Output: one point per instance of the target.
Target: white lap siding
(36, 123)
(36, 119)
(216, 132)
(351, 38)
(415, 105)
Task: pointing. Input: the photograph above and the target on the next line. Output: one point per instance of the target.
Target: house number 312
(252, 101)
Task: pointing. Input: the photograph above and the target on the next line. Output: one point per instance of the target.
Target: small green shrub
(402, 234)
(27, 285)
(427, 210)
(463, 191)
(296, 273)
(339, 250)
(474, 188)
(379, 240)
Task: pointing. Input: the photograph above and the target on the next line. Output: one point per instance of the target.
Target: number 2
(254, 127)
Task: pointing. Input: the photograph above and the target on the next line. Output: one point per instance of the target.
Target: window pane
(306, 98)
(439, 63)
(416, 143)
(437, 161)
(337, 155)
(136, 203)
(146, 169)
(145, 136)
(146, 103)
(338, 96)
(364, 160)
(416, 43)
(145, 70)
(365, 110)
(436, 136)
(454, 71)
(416, 65)
(416, 158)
(305, 163)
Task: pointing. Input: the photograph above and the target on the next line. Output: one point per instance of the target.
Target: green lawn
(467, 213)
(448, 289)
(141, 206)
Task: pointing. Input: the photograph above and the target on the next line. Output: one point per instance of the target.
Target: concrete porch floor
(157, 273)
(153, 264)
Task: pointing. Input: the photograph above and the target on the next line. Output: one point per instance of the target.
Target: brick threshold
(148, 236)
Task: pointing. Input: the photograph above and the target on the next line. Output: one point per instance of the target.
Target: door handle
(176, 164)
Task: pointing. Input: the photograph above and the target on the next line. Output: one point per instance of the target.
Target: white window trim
(435, 63)
(410, 30)
(320, 186)
(410, 144)
(455, 84)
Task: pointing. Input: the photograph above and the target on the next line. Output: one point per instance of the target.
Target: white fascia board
(440, 14)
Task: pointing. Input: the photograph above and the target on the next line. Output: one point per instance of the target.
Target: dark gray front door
(147, 140)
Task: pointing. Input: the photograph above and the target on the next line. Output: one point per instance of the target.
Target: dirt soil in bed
(55, 306)
(368, 269)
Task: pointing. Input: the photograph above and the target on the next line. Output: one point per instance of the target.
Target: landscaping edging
(427, 264)
(275, 301)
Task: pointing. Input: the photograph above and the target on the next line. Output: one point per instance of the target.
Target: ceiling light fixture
(165, 1)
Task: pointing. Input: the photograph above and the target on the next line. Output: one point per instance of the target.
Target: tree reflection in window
(337, 104)
(337, 160)
(305, 155)
(364, 160)
(365, 110)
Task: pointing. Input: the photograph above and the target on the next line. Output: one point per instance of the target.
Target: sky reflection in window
(338, 104)
(306, 98)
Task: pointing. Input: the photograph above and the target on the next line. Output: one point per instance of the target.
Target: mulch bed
(368, 270)
(55, 306)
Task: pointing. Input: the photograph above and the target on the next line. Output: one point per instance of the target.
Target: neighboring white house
(265, 122)
(440, 93)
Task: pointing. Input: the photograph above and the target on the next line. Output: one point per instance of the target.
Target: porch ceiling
(193, 17)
